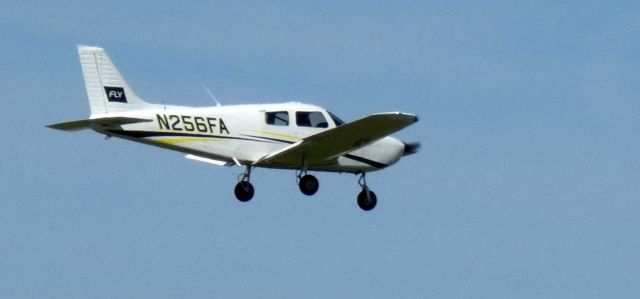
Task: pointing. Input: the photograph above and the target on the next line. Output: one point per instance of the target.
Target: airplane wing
(321, 148)
(82, 124)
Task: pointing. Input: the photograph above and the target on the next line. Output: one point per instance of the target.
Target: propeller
(411, 148)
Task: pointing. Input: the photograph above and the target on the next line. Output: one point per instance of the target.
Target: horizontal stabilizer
(119, 120)
(82, 124)
(75, 125)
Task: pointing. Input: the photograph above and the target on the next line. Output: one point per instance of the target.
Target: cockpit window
(336, 119)
(311, 119)
(277, 118)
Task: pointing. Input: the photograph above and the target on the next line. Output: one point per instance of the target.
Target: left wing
(323, 147)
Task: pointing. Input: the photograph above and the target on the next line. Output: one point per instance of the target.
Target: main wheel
(365, 202)
(244, 191)
(309, 185)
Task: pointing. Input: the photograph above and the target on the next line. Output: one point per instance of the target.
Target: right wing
(323, 147)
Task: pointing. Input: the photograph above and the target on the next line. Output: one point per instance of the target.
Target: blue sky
(526, 185)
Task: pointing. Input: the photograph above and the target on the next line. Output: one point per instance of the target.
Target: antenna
(211, 95)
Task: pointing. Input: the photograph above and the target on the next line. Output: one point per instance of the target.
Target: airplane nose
(386, 151)
(395, 149)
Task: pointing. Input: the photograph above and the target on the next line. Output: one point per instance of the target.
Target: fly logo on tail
(115, 94)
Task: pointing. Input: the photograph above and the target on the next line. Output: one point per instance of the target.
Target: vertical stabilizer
(107, 90)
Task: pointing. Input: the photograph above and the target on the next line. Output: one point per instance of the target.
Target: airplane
(294, 136)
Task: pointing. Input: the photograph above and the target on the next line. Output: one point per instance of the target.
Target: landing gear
(308, 184)
(244, 190)
(367, 200)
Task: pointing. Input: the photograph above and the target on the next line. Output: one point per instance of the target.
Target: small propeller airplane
(292, 135)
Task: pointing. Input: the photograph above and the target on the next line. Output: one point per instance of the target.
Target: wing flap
(323, 147)
(208, 160)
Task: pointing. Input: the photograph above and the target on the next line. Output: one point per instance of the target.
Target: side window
(311, 119)
(277, 118)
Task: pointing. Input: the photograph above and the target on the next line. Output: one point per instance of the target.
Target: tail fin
(107, 90)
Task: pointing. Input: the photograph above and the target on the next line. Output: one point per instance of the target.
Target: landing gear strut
(308, 184)
(244, 190)
(367, 200)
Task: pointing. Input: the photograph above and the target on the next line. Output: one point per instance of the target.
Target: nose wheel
(367, 200)
(244, 190)
(308, 184)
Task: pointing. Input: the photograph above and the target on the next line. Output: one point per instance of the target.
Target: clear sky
(527, 185)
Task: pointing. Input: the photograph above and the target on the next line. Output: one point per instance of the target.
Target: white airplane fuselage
(240, 133)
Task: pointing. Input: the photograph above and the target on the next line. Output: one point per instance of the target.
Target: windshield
(336, 119)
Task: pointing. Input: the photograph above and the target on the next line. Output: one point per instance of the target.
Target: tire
(309, 185)
(367, 203)
(244, 191)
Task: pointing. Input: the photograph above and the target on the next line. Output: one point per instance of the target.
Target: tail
(107, 90)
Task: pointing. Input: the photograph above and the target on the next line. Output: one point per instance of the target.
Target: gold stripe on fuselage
(285, 136)
(172, 140)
